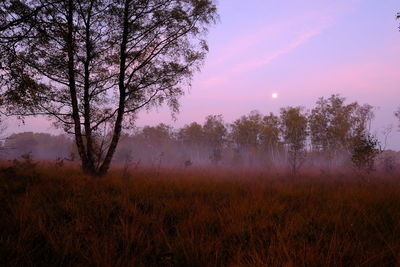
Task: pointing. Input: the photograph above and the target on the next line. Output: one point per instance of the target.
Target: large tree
(91, 65)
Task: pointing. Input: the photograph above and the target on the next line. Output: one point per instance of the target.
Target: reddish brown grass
(60, 217)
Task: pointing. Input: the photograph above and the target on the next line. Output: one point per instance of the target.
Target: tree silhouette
(365, 150)
(92, 65)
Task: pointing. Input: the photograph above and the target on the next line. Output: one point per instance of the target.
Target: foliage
(253, 140)
(246, 130)
(215, 130)
(192, 135)
(398, 16)
(294, 132)
(365, 149)
(215, 134)
(90, 66)
(333, 125)
(256, 136)
(397, 114)
(269, 136)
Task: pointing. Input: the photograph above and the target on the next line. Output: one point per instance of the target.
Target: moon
(274, 95)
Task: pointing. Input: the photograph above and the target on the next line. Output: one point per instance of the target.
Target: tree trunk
(90, 166)
(72, 87)
(122, 96)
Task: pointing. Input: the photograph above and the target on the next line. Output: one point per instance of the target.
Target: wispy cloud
(260, 47)
(267, 58)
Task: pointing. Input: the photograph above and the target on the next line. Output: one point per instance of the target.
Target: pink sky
(302, 51)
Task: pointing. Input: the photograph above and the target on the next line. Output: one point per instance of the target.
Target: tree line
(333, 133)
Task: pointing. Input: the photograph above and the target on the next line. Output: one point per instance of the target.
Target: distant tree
(157, 135)
(361, 120)
(398, 16)
(269, 135)
(330, 124)
(158, 140)
(192, 138)
(246, 133)
(92, 65)
(215, 135)
(246, 130)
(22, 144)
(126, 147)
(365, 149)
(191, 134)
(333, 124)
(397, 114)
(38, 145)
(319, 120)
(294, 132)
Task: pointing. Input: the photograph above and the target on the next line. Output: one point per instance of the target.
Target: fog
(163, 147)
(332, 135)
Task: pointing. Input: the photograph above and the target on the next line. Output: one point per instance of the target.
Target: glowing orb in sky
(275, 95)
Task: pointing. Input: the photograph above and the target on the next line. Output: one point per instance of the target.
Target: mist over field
(325, 138)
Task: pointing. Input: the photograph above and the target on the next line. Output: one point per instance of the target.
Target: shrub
(365, 149)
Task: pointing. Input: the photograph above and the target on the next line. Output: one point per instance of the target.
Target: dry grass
(59, 217)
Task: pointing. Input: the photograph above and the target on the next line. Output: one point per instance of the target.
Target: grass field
(56, 216)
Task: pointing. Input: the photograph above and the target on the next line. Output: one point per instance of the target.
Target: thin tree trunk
(122, 95)
(72, 86)
(86, 101)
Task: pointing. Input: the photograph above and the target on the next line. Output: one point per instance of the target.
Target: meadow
(57, 216)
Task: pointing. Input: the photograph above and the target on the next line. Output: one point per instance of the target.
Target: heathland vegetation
(55, 215)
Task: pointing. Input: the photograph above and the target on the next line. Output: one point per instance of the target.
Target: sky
(301, 50)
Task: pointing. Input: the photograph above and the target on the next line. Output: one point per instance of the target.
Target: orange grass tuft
(60, 217)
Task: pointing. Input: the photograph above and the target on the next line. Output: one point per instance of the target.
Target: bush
(365, 150)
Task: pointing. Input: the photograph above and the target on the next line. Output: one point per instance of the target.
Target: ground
(57, 216)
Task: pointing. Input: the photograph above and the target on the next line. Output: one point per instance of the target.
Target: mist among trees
(332, 134)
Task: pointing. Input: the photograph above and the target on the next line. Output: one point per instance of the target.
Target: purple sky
(300, 49)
